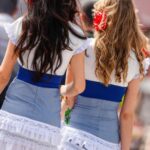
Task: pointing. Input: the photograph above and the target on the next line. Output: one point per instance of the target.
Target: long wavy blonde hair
(114, 44)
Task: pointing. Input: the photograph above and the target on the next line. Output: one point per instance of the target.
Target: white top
(78, 45)
(133, 66)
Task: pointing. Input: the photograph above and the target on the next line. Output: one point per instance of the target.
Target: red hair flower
(100, 21)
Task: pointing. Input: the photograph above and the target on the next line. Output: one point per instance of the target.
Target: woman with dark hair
(44, 41)
(87, 17)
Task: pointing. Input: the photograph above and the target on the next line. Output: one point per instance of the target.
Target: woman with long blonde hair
(44, 41)
(113, 68)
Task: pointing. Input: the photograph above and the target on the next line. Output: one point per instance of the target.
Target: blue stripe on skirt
(100, 91)
(47, 80)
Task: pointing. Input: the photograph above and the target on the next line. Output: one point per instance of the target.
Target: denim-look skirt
(30, 115)
(93, 126)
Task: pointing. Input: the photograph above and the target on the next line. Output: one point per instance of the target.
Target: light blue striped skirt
(93, 126)
(30, 115)
(37, 103)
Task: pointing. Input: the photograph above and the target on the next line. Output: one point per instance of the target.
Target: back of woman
(44, 41)
(113, 68)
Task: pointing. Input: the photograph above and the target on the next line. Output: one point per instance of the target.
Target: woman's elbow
(80, 87)
(126, 116)
(4, 78)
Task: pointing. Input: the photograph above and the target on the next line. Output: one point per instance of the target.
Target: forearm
(4, 79)
(3, 82)
(69, 76)
(7, 65)
(69, 79)
(126, 126)
(70, 90)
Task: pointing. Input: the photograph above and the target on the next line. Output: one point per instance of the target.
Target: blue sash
(100, 91)
(47, 80)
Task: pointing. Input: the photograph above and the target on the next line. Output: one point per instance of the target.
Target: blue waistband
(47, 80)
(100, 91)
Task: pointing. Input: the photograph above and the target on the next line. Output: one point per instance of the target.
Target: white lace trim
(28, 130)
(11, 36)
(74, 139)
(12, 142)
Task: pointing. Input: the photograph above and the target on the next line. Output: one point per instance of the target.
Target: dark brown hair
(46, 29)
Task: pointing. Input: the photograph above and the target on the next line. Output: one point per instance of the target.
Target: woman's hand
(67, 102)
(71, 101)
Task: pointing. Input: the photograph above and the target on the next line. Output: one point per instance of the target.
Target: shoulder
(17, 23)
(134, 66)
(76, 28)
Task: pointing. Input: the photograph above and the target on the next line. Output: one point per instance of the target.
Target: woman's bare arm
(128, 112)
(77, 70)
(7, 66)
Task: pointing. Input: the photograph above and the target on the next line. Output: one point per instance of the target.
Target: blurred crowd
(12, 9)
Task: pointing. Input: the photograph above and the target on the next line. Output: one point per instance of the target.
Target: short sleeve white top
(133, 66)
(78, 45)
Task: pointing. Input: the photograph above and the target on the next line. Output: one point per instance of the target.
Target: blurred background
(12, 9)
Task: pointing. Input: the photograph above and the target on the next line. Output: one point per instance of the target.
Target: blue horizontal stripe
(47, 80)
(100, 91)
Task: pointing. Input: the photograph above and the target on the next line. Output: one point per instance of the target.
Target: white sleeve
(134, 67)
(146, 64)
(14, 30)
(77, 44)
(84, 45)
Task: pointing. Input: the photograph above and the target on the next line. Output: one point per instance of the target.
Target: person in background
(87, 17)
(22, 8)
(8, 9)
